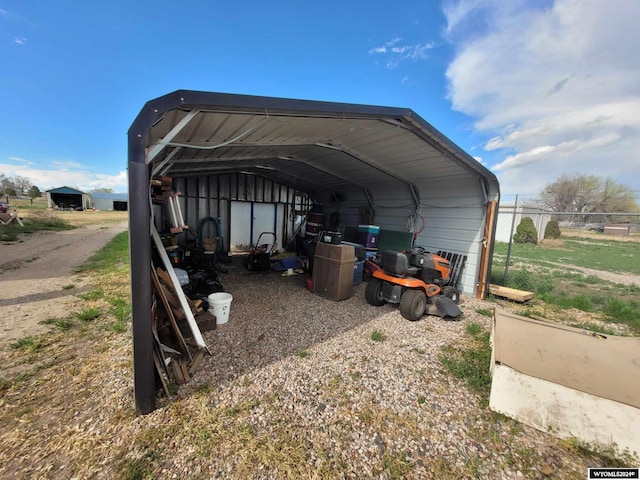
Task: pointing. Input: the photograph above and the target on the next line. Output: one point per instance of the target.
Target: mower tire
(373, 293)
(453, 293)
(413, 304)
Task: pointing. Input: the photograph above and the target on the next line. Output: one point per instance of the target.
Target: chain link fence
(587, 244)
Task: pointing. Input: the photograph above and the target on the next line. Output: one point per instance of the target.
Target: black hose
(201, 226)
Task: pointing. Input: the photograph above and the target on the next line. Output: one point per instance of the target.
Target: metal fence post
(513, 222)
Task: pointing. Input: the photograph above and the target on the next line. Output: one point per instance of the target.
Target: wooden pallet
(510, 293)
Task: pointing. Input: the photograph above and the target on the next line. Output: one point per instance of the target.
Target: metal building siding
(102, 203)
(454, 212)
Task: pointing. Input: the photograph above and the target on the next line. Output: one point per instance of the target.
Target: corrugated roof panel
(329, 149)
(66, 191)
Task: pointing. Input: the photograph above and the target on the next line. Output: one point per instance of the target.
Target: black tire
(373, 293)
(413, 304)
(453, 293)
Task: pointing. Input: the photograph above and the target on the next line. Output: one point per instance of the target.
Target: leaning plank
(172, 298)
(197, 335)
(169, 291)
(164, 277)
(169, 312)
(185, 370)
(510, 293)
(177, 372)
(196, 361)
(162, 373)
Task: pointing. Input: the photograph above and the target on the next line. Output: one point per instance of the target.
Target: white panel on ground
(564, 412)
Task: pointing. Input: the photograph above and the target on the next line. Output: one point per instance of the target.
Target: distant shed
(110, 201)
(619, 229)
(66, 198)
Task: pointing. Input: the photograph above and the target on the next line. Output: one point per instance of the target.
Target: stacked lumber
(176, 354)
(162, 193)
(161, 189)
(177, 324)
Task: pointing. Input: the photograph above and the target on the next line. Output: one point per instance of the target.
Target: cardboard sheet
(603, 365)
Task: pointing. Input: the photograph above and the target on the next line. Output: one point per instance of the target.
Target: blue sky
(532, 89)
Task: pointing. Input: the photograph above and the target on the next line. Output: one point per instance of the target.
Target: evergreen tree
(526, 232)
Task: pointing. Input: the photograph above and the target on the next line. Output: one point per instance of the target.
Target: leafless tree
(586, 195)
(21, 184)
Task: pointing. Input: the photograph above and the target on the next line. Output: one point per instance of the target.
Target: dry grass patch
(552, 242)
(79, 219)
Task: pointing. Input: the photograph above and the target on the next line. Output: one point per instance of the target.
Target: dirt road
(38, 279)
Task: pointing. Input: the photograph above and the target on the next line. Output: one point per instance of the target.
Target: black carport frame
(140, 214)
(143, 151)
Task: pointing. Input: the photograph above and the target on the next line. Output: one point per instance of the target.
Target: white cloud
(554, 86)
(57, 176)
(66, 164)
(399, 49)
(391, 64)
(419, 51)
(20, 40)
(21, 160)
(4, 13)
(399, 53)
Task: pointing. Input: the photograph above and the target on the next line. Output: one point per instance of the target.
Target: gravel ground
(296, 388)
(362, 406)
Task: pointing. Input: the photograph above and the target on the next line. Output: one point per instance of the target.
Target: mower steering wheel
(416, 250)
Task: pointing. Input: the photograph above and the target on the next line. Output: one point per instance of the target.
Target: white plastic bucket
(219, 305)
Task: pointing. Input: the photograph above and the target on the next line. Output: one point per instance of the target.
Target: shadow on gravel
(273, 317)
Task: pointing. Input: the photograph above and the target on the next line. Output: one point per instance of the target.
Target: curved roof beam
(374, 165)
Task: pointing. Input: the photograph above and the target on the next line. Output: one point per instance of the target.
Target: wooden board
(487, 250)
(177, 372)
(510, 293)
(162, 373)
(169, 311)
(196, 361)
(197, 335)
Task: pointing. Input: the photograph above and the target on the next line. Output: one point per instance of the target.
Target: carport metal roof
(66, 191)
(320, 148)
(316, 147)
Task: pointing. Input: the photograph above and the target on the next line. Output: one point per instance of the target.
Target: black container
(334, 238)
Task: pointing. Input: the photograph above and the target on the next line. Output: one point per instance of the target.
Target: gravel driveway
(37, 276)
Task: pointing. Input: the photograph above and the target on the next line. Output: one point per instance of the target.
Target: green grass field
(552, 272)
(609, 255)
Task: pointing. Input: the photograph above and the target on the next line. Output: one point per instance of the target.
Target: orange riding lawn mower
(421, 282)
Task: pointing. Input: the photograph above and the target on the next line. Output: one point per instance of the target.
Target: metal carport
(346, 156)
(67, 198)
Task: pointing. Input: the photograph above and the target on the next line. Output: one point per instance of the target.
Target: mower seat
(397, 263)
